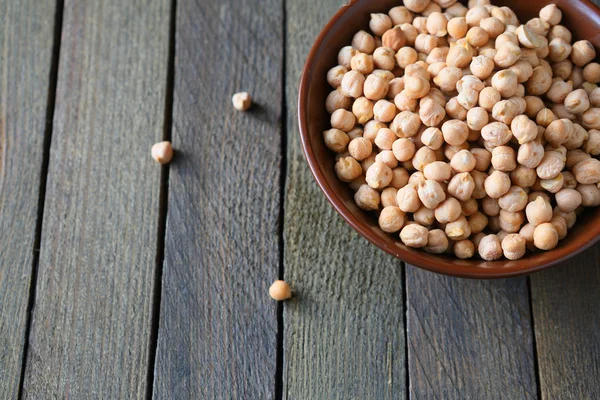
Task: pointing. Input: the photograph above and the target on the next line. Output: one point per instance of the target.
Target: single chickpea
(348, 169)
(383, 111)
(589, 88)
(492, 26)
(488, 97)
(367, 198)
(360, 148)
(559, 90)
(391, 219)
(363, 42)
(479, 179)
(424, 216)
(430, 193)
(538, 26)
(591, 118)
(477, 118)
(410, 33)
(408, 198)
(523, 129)
(559, 50)
(507, 55)
(431, 113)
(406, 124)
(460, 56)
(461, 186)
(553, 185)
(568, 199)
(352, 84)
(592, 143)
(569, 181)
(540, 81)
(505, 15)
(504, 158)
(455, 9)
(457, 27)
(577, 101)
(336, 140)
(545, 236)
(463, 161)
(162, 152)
(437, 171)
(532, 196)
(514, 246)
(514, 200)
(511, 221)
(387, 157)
(523, 176)
(362, 63)
(379, 175)
(375, 87)
(590, 195)
(404, 149)
(533, 106)
(432, 138)
(435, 68)
(562, 69)
(569, 217)
(455, 132)
(449, 151)
(416, 177)
(595, 97)
(497, 184)
(468, 98)
(482, 66)
(469, 207)
(506, 110)
(414, 235)
(458, 229)
(545, 117)
(405, 103)
(496, 133)
(551, 14)
(362, 111)
(400, 15)
(422, 157)
(505, 82)
(560, 224)
(478, 222)
(399, 178)
(394, 38)
(388, 197)
(538, 211)
(345, 55)
(415, 87)
(380, 23)
(527, 232)
(587, 171)
(552, 163)
(437, 55)
(529, 39)
(482, 158)
(574, 156)
(425, 43)
(385, 139)
(475, 14)
(576, 76)
(437, 242)
(464, 249)
(280, 290)
(337, 100)
(335, 76)
(371, 128)
(406, 56)
(449, 210)
(437, 23)
(455, 110)
(447, 78)
(416, 6)
(490, 248)
(583, 52)
(396, 86)
(490, 206)
(477, 36)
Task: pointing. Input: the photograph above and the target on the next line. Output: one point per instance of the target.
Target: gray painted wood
(25, 63)
(469, 339)
(91, 326)
(218, 325)
(344, 331)
(566, 319)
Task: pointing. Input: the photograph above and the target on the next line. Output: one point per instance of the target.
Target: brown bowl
(580, 16)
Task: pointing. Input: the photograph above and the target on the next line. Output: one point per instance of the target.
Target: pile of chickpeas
(466, 131)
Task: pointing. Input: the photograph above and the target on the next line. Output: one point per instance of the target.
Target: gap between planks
(51, 102)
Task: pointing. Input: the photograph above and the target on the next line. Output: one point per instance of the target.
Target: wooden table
(121, 279)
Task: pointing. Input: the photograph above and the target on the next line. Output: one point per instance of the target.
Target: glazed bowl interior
(580, 16)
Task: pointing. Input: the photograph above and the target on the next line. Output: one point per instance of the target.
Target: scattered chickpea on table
(465, 130)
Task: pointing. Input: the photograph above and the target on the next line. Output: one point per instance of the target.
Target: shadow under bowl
(580, 16)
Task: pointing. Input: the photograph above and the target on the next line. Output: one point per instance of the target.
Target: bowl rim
(366, 231)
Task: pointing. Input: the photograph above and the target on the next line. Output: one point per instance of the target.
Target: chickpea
(367, 198)
(514, 246)
(591, 118)
(431, 193)
(545, 236)
(405, 103)
(447, 78)
(379, 175)
(464, 249)
(335, 75)
(424, 216)
(497, 184)
(348, 169)
(383, 111)
(362, 63)
(387, 157)
(362, 112)
(461, 186)
(380, 23)
(395, 86)
(458, 229)
(523, 176)
(457, 27)
(336, 140)
(455, 110)
(415, 87)
(414, 235)
(449, 150)
(345, 56)
(416, 177)
(459, 56)
(432, 138)
(560, 224)
(569, 181)
(478, 222)
(468, 98)
(583, 52)
(490, 206)
(437, 171)
(337, 100)
(559, 90)
(505, 82)
(551, 14)
(482, 158)
(391, 219)
(504, 158)
(577, 101)
(406, 124)
(511, 221)
(587, 171)
(394, 38)
(490, 248)
(568, 199)
(367, 162)
(455, 132)
(463, 161)
(570, 217)
(533, 105)
(385, 139)
(404, 149)
(552, 163)
(469, 207)
(574, 156)
(410, 33)
(371, 129)
(507, 55)
(540, 82)
(529, 39)
(488, 97)
(477, 36)
(592, 143)
(590, 195)
(431, 113)
(408, 198)
(496, 133)
(449, 210)
(505, 15)
(437, 242)
(538, 211)
(360, 148)
(576, 76)
(400, 15)
(534, 195)
(477, 118)
(545, 117)
(388, 197)
(375, 87)
(456, 9)
(406, 56)
(352, 84)
(523, 129)
(591, 72)
(280, 290)
(492, 26)
(476, 14)
(363, 42)
(562, 69)
(422, 157)
(399, 178)
(559, 131)
(514, 200)
(594, 97)
(559, 50)
(482, 66)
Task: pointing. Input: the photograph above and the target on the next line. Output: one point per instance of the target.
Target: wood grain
(565, 308)
(218, 326)
(25, 63)
(469, 339)
(91, 327)
(344, 331)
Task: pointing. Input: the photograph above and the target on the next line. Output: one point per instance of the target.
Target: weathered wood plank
(26, 37)
(469, 339)
(91, 327)
(344, 333)
(565, 302)
(218, 326)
